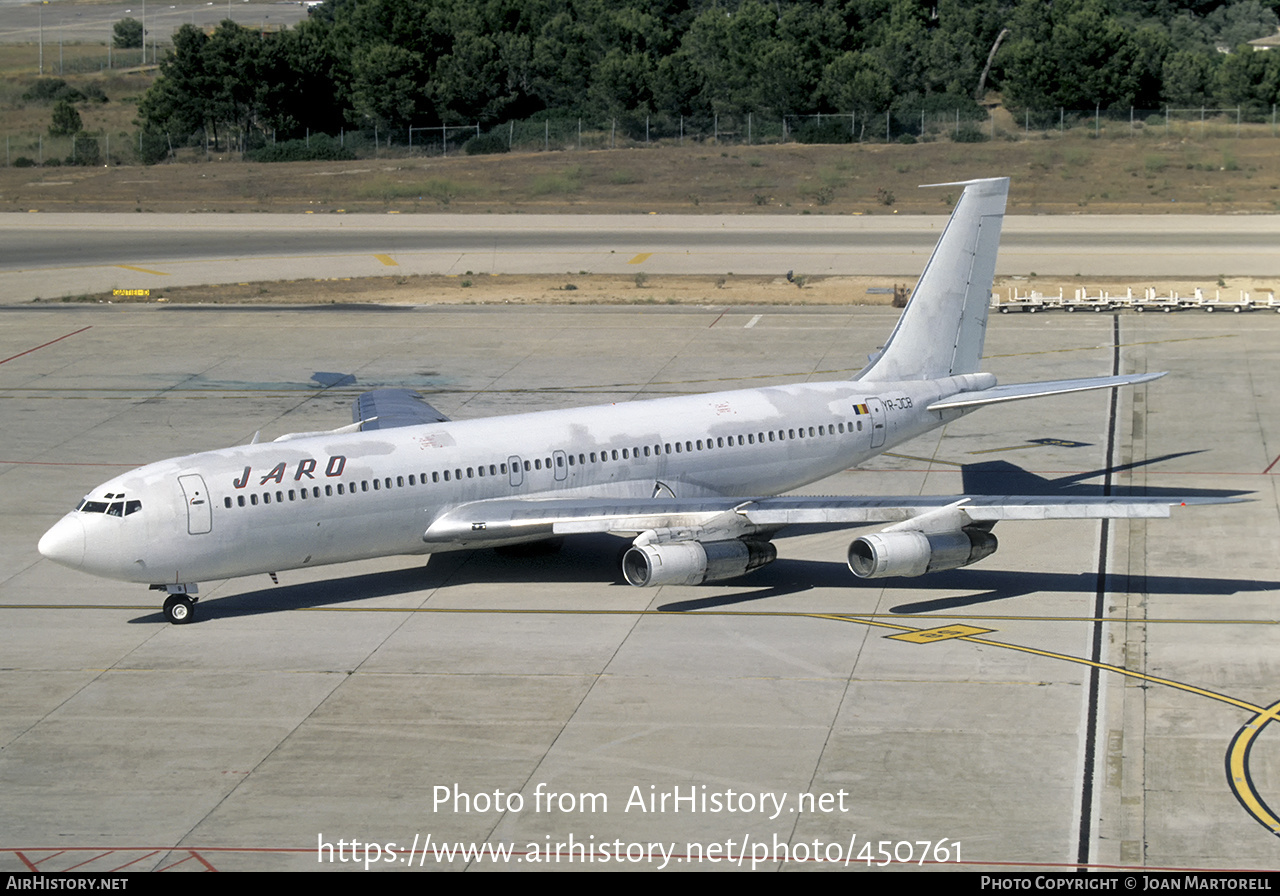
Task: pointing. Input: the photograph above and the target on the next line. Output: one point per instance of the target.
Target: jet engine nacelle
(912, 553)
(693, 562)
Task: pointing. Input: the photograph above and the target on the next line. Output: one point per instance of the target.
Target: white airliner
(695, 481)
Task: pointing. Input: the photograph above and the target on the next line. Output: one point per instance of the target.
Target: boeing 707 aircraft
(696, 482)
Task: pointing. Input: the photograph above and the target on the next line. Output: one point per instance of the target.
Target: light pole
(42, 3)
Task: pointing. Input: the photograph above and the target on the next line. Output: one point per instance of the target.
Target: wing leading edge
(504, 520)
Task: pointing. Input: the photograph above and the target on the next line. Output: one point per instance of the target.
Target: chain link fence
(550, 133)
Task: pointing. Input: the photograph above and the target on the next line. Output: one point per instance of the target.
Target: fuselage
(343, 496)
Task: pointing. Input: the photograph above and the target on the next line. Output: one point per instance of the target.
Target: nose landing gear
(179, 609)
(179, 606)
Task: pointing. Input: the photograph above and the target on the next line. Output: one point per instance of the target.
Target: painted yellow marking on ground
(1037, 443)
(1107, 667)
(388, 261)
(1010, 448)
(1238, 776)
(641, 258)
(943, 633)
(760, 613)
(129, 267)
(928, 460)
(1119, 670)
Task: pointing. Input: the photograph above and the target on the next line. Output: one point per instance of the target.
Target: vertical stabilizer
(942, 329)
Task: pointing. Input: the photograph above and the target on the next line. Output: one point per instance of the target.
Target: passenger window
(227, 502)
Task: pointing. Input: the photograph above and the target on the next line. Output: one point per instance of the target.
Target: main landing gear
(179, 606)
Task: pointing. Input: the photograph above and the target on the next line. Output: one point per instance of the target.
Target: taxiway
(1080, 696)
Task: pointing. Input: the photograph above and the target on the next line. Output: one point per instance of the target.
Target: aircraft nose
(64, 543)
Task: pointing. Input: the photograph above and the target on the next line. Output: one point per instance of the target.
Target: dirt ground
(602, 289)
(1187, 170)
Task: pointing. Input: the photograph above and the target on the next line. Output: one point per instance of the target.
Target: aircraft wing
(508, 520)
(1015, 391)
(389, 408)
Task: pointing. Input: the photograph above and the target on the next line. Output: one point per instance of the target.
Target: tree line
(388, 64)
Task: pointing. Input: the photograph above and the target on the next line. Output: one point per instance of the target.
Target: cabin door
(876, 406)
(199, 510)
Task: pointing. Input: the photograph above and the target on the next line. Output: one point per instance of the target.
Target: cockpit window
(112, 508)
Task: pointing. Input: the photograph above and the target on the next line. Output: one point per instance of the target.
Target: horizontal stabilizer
(1016, 391)
(389, 408)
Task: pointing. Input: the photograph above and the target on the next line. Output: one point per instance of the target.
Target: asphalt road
(49, 255)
